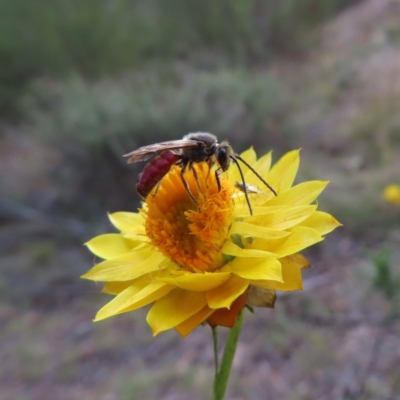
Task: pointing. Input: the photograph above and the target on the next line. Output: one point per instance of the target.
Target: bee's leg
(157, 187)
(210, 163)
(191, 167)
(183, 170)
(218, 172)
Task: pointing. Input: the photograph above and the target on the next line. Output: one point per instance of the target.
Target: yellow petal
(284, 171)
(136, 296)
(299, 195)
(249, 156)
(262, 166)
(252, 230)
(321, 222)
(299, 259)
(126, 266)
(257, 210)
(109, 245)
(227, 293)
(300, 238)
(117, 287)
(261, 297)
(198, 282)
(283, 219)
(255, 268)
(259, 198)
(231, 249)
(126, 221)
(175, 308)
(194, 321)
(291, 274)
(137, 236)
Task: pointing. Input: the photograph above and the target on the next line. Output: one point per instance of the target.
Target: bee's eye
(222, 158)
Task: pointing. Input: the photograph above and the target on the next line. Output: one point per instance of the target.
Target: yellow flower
(203, 263)
(392, 194)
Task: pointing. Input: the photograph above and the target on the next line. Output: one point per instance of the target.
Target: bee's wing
(145, 152)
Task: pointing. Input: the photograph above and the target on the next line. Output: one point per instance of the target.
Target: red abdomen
(154, 171)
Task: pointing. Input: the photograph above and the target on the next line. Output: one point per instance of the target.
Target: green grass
(103, 38)
(385, 279)
(147, 108)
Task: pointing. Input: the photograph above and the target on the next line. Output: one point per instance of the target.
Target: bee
(191, 149)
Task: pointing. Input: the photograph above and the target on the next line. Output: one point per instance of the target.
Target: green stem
(215, 340)
(221, 380)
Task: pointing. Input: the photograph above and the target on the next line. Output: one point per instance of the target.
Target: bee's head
(223, 155)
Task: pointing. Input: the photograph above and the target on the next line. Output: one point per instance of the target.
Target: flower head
(392, 194)
(203, 262)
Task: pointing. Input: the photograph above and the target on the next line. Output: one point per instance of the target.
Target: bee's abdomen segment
(154, 171)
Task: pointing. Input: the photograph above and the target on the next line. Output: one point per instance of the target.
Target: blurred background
(83, 82)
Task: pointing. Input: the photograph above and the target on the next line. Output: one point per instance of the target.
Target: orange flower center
(189, 234)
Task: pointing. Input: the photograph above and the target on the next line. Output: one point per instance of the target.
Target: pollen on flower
(191, 235)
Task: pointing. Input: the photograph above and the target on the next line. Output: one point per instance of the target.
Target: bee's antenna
(255, 173)
(244, 183)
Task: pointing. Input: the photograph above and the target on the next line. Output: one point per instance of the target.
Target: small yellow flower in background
(392, 194)
(204, 263)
